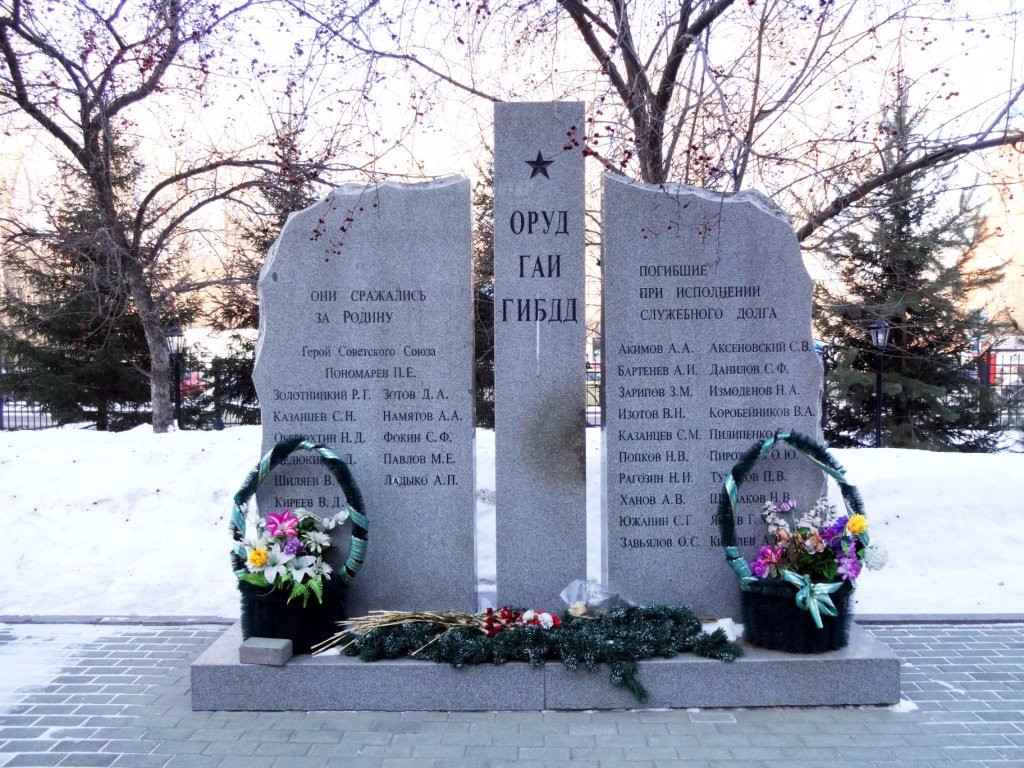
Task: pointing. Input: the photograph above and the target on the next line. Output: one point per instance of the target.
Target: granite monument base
(865, 672)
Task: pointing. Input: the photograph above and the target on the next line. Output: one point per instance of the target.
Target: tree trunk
(160, 360)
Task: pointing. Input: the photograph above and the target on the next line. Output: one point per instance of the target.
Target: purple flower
(293, 547)
(759, 568)
(849, 567)
(836, 529)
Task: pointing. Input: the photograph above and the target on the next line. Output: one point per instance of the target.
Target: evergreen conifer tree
(74, 344)
(908, 262)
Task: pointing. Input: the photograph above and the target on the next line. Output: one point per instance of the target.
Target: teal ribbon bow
(813, 597)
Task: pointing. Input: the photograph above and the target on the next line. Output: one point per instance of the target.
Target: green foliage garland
(342, 476)
(620, 638)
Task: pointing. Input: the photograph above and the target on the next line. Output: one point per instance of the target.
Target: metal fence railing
(1005, 373)
(593, 407)
(203, 407)
(18, 415)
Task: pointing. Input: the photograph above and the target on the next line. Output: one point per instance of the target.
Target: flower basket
(784, 609)
(772, 619)
(267, 613)
(287, 588)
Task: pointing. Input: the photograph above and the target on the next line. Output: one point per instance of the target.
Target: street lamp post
(175, 346)
(880, 338)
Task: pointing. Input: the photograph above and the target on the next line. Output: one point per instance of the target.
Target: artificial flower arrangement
(819, 544)
(285, 550)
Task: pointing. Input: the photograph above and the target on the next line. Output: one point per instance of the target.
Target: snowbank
(136, 523)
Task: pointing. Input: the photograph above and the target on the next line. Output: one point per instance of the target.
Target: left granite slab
(220, 682)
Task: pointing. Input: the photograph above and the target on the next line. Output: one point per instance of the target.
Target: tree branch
(932, 159)
(148, 86)
(168, 230)
(408, 58)
(680, 43)
(199, 285)
(24, 100)
(140, 217)
(583, 19)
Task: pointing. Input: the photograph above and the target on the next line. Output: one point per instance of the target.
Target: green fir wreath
(620, 638)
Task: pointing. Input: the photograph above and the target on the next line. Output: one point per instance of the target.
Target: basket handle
(806, 447)
(342, 476)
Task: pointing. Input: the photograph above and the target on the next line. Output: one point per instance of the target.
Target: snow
(904, 706)
(134, 523)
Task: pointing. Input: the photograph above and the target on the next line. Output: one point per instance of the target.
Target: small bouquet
(507, 618)
(819, 544)
(285, 551)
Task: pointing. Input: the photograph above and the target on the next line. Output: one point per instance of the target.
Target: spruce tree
(908, 261)
(76, 344)
(289, 186)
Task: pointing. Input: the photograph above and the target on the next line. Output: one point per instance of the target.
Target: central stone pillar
(539, 363)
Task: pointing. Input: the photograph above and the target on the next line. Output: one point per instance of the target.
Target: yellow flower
(258, 557)
(857, 524)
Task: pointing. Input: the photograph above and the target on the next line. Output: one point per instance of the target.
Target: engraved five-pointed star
(540, 165)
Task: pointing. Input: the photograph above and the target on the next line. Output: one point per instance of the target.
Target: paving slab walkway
(96, 696)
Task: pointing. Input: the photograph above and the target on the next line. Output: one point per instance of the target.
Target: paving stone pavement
(93, 696)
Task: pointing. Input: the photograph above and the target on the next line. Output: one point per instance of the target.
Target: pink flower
(282, 523)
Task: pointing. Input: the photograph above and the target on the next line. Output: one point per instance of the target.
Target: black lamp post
(880, 338)
(175, 346)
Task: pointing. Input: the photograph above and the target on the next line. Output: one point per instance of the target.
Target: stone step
(865, 672)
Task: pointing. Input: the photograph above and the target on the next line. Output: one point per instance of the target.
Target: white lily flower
(302, 567)
(277, 563)
(328, 523)
(252, 537)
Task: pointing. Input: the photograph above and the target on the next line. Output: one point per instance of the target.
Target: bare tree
(784, 95)
(75, 70)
